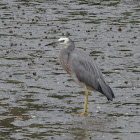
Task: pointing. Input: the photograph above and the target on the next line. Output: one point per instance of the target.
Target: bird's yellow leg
(85, 106)
(86, 101)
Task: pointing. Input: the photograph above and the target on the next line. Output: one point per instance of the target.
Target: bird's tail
(105, 89)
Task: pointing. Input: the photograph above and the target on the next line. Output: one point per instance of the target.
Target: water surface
(37, 97)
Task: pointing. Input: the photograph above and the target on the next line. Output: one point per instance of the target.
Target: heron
(84, 71)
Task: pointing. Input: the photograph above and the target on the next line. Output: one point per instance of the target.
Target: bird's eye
(62, 41)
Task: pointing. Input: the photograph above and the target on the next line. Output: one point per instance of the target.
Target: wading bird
(82, 69)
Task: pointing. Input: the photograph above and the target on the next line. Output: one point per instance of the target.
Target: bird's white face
(63, 41)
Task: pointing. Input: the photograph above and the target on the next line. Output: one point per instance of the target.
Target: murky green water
(37, 97)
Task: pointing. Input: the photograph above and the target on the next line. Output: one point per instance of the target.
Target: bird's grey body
(82, 69)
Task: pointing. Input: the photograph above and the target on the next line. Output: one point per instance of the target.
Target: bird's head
(62, 41)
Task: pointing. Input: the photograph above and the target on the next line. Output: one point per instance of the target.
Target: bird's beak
(53, 43)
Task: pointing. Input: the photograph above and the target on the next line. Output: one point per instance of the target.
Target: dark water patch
(95, 52)
(19, 73)
(16, 58)
(83, 13)
(125, 50)
(137, 95)
(54, 73)
(137, 104)
(109, 72)
(136, 71)
(13, 81)
(39, 88)
(123, 87)
(60, 96)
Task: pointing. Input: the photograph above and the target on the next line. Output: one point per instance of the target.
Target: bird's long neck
(71, 46)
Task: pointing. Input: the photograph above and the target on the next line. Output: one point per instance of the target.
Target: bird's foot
(80, 114)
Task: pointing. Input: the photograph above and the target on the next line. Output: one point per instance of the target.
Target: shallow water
(37, 97)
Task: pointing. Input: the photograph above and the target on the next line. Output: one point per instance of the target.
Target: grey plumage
(82, 69)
